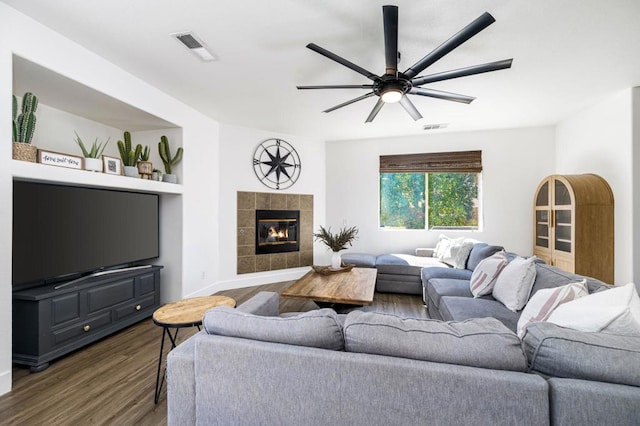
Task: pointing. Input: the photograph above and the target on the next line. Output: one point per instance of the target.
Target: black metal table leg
(160, 381)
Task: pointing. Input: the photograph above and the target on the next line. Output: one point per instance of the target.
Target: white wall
(599, 140)
(514, 162)
(194, 245)
(237, 145)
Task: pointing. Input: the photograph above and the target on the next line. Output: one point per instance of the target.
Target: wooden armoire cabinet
(573, 225)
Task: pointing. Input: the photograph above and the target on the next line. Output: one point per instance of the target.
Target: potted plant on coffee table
(93, 156)
(337, 242)
(24, 125)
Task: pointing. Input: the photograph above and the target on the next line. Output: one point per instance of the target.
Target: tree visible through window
(442, 199)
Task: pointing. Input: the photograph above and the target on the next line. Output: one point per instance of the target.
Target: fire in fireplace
(277, 231)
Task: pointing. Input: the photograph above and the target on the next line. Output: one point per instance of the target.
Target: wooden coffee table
(355, 287)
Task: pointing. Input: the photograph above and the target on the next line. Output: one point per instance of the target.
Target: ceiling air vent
(195, 45)
(434, 126)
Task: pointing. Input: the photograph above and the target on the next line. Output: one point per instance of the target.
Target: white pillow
(514, 283)
(615, 311)
(542, 304)
(484, 276)
(441, 246)
(462, 255)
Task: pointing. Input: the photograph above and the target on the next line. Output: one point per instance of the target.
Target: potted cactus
(93, 156)
(129, 156)
(168, 160)
(145, 167)
(23, 127)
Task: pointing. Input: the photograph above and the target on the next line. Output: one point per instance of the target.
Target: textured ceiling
(567, 55)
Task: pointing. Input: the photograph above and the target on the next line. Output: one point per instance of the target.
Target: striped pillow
(484, 276)
(542, 304)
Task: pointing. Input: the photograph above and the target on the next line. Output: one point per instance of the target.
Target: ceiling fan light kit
(394, 86)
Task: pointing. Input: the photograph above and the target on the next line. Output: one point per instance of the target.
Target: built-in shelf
(23, 170)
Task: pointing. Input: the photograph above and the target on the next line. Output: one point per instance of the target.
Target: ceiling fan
(393, 86)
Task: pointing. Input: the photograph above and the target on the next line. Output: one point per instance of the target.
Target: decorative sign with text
(60, 160)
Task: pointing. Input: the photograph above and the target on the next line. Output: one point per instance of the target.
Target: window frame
(441, 162)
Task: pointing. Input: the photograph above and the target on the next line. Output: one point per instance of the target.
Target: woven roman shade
(447, 162)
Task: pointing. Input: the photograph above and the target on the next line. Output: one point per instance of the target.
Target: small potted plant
(24, 125)
(168, 160)
(93, 156)
(156, 175)
(337, 242)
(129, 156)
(145, 167)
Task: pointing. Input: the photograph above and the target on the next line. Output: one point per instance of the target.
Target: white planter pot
(336, 260)
(93, 164)
(169, 178)
(131, 171)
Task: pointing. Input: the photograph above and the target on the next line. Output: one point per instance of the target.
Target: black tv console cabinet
(49, 321)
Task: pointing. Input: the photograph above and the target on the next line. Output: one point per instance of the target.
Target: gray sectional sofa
(250, 366)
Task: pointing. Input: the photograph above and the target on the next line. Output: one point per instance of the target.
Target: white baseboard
(5, 382)
(250, 280)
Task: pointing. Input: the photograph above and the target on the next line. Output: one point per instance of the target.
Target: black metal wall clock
(276, 163)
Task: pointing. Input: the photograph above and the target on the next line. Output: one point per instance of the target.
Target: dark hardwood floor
(111, 382)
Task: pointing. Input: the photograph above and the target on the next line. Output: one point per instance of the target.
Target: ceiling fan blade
(441, 95)
(463, 72)
(462, 36)
(339, 86)
(359, 98)
(410, 108)
(342, 61)
(390, 18)
(376, 109)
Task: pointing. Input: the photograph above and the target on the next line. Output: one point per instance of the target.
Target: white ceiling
(567, 55)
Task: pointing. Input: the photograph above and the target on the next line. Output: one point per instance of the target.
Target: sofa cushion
(541, 305)
(514, 283)
(479, 252)
(361, 260)
(462, 308)
(485, 275)
(562, 352)
(614, 311)
(319, 329)
(484, 342)
(456, 274)
(439, 287)
(405, 264)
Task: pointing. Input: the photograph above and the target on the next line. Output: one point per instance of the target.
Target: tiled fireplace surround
(248, 203)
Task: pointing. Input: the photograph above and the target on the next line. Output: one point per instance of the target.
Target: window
(430, 191)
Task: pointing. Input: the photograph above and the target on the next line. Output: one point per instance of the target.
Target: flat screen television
(65, 232)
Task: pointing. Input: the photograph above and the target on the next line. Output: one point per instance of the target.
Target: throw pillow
(485, 274)
(462, 255)
(615, 311)
(514, 283)
(319, 329)
(441, 246)
(543, 302)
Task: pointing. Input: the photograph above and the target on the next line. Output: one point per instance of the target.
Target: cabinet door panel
(145, 284)
(108, 295)
(65, 308)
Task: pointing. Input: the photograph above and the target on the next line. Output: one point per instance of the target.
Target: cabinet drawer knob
(86, 327)
(138, 307)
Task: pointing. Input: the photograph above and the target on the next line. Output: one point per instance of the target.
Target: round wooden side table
(181, 314)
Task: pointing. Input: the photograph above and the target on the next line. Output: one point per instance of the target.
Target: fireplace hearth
(277, 231)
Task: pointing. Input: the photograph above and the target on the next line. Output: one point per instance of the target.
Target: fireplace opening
(277, 231)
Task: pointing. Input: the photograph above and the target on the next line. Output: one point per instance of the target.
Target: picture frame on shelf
(58, 159)
(112, 165)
